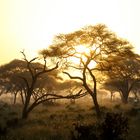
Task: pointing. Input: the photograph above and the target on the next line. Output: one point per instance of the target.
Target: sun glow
(82, 50)
(32, 24)
(92, 64)
(82, 53)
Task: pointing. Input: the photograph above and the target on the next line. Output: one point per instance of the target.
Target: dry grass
(55, 122)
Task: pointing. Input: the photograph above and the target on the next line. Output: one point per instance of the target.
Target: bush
(3, 130)
(113, 127)
(12, 122)
(83, 132)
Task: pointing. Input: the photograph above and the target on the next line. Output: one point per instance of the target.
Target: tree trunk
(125, 92)
(26, 111)
(97, 108)
(25, 108)
(15, 97)
(111, 94)
(125, 98)
(94, 95)
(22, 98)
(25, 114)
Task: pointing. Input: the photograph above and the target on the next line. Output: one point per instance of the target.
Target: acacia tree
(123, 76)
(35, 73)
(33, 76)
(98, 44)
(111, 86)
(9, 77)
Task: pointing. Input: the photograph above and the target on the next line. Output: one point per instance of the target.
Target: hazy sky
(31, 24)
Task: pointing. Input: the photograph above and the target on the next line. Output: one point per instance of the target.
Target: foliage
(114, 127)
(123, 76)
(35, 85)
(99, 47)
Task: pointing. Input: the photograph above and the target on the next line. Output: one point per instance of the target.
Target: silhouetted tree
(9, 75)
(100, 43)
(123, 76)
(36, 82)
(109, 86)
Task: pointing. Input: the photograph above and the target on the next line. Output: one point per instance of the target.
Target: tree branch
(29, 63)
(45, 71)
(73, 77)
(55, 96)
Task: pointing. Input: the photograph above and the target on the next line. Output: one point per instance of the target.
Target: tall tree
(98, 45)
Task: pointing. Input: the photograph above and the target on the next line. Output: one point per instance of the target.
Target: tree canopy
(123, 76)
(99, 47)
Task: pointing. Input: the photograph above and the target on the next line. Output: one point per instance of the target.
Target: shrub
(113, 127)
(3, 130)
(12, 122)
(83, 132)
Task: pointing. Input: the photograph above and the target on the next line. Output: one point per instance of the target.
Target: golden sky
(31, 24)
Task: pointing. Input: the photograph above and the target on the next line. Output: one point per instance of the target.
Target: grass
(55, 122)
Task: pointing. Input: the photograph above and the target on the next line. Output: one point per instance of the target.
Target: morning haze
(69, 70)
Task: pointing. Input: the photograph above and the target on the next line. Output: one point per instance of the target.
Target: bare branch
(55, 96)
(73, 77)
(33, 59)
(45, 71)
(24, 56)
(49, 70)
(28, 63)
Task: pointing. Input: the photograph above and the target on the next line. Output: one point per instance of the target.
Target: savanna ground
(56, 121)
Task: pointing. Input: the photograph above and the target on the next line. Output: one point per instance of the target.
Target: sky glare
(31, 24)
